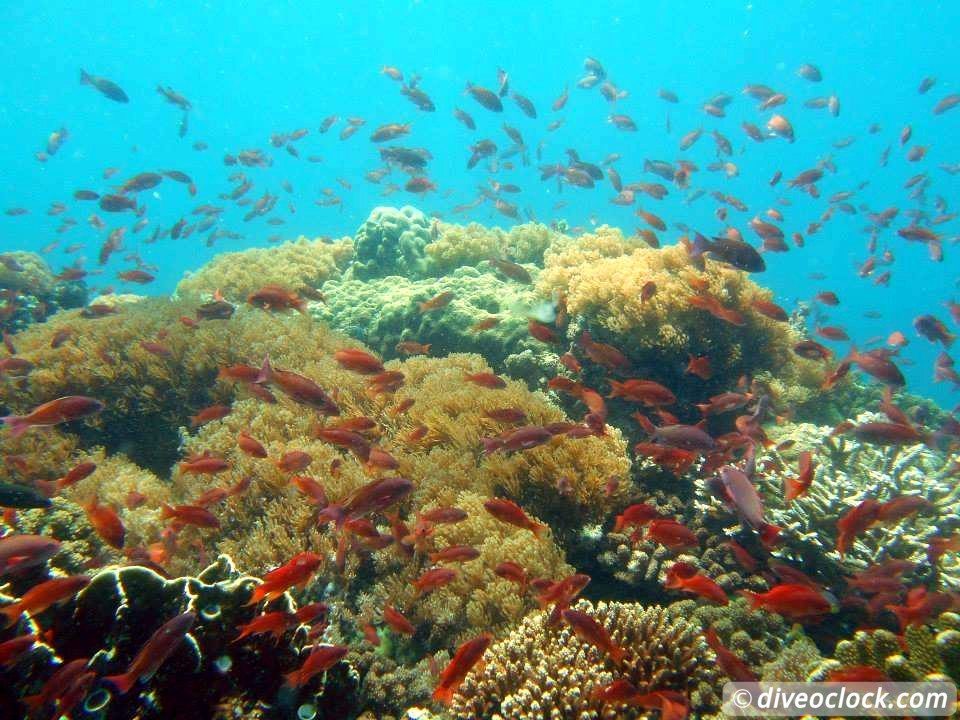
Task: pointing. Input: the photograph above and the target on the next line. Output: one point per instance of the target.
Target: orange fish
(684, 576)
(358, 361)
(297, 571)
(321, 659)
(41, 596)
(509, 512)
(699, 366)
(793, 601)
(486, 380)
(433, 579)
(214, 412)
(250, 445)
(106, 523)
(436, 302)
(466, 656)
(795, 487)
(276, 297)
(61, 410)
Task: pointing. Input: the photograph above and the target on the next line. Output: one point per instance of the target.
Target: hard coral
(540, 671)
(391, 242)
(302, 263)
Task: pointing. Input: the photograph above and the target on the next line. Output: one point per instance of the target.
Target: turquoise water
(274, 67)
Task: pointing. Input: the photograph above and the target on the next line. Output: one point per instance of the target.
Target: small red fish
(61, 410)
(466, 656)
(592, 633)
(509, 512)
(154, 652)
(684, 576)
(791, 600)
(106, 523)
(358, 361)
(486, 380)
(321, 659)
(297, 571)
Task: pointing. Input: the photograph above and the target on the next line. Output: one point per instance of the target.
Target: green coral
(392, 242)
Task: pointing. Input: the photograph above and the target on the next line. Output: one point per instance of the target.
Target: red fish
(203, 465)
(298, 388)
(154, 652)
(684, 576)
(592, 633)
(214, 412)
(671, 533)
(486, 380)
(76, 474)
(106, 523)
(61, 410)
(433, 579)
(276, 297)
(513, 572)
(358, 361)
(375, 496)
(274, 624)
(250, 445)
(466, 656)
(795, 487)
(791, 600)
(41, 596)
(732, 666)
(12, 650)
(321, 659)
(509, 512)
(397, 622)
(635, 515)
(647, 392)
(195, 515)
(603, 354)
(297, 571)
(699, 366)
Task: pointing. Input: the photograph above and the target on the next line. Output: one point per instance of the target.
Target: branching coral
(539, 671)
(848, 472)
(926, 652)
(299, 264)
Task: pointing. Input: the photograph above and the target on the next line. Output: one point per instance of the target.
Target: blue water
(260, 68)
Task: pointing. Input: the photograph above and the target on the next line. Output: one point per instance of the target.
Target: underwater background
(467, 359)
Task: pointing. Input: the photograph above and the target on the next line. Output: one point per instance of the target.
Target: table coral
(539, 671)
(302, 263)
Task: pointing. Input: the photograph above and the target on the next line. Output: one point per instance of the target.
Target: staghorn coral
(602, 275)
(848, 472)
(541, 672)
(391, 242)
(300, 263)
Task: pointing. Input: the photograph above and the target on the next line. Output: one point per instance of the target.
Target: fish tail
(752, 597)
(166, 512)
(769, 533)
(266, 372)
(259, 592)
(123, 683)
(84, 77)
(700, 245)
(12, 612)
(17, 424)
(443, 694)
(293, 678)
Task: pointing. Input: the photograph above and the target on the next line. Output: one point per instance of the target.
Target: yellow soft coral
(297, 264)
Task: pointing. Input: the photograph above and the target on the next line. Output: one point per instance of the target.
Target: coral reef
(35, 292)
(299, 264)
(392, 242)
(111, 619)
(384, 312)
(926, 652)
(459, 245)
(540, 671)
(848, 472)
(602, 275)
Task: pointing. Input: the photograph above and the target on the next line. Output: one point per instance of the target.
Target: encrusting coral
(299, 264)
(111, 619)
(541, 671)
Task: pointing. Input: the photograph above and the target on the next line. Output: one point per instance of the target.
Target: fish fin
(84, 77)
(266, 372)
(12, 612)
(123, 683)
(443, 695)
(16, 423)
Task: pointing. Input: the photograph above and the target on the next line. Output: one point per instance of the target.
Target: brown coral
(539, 671)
